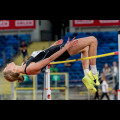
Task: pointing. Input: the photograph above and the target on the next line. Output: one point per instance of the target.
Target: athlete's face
(10, 67)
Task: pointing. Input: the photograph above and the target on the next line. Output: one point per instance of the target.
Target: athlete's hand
(72, 43)
(58, 42)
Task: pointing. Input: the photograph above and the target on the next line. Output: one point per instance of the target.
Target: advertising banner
(17, 24)
(88, 23)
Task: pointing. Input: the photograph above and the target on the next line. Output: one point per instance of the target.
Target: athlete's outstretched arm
(36, 67)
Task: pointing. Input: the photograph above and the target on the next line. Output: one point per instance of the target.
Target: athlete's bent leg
(92, 43)
(85, 63)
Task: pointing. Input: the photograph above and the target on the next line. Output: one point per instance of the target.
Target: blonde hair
(11, 77)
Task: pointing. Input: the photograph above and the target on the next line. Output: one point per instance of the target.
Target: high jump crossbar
(92, 57)
(47, 95)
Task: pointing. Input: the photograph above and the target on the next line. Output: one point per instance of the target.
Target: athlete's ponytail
(20, 78)
(11, 77)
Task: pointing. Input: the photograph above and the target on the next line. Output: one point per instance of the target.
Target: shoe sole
(91, 89)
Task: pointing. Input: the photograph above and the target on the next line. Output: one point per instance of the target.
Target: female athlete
(59, 52)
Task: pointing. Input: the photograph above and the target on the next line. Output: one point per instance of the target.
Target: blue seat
(9, 36)
(76, 65)
(8, 48)
(116, 58)
(114, 33)
(88, 33)
(95, 34)
(74, 35)
(8, 57)
(21, 35)
(1, 62)
(81, 33)
(81, 36)
(61, 69)
(15, 36)
(69, 34)
(60, 66)
(75, 56)
(75, 69)
(66, 69)
(112, 45)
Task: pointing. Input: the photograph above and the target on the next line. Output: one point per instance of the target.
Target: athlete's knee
(94, 40)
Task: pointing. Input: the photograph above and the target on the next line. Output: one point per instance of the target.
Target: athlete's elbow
(30, 71)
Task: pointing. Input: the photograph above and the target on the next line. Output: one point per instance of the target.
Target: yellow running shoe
(94, 78)
(89, 84)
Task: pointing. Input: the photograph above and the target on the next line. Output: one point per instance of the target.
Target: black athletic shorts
(37, 56)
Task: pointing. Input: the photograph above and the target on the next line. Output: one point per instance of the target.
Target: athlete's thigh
(82, 43)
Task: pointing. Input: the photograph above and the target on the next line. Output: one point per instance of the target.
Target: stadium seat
(1, 62)
(69, 34)
(112, 45)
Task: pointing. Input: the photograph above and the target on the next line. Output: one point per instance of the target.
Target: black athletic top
(37, 56)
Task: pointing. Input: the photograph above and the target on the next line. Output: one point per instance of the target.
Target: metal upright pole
(119, 63)
(88, 95)
(44, 86)
(36, 87)
(15, 92)
(47, 84)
